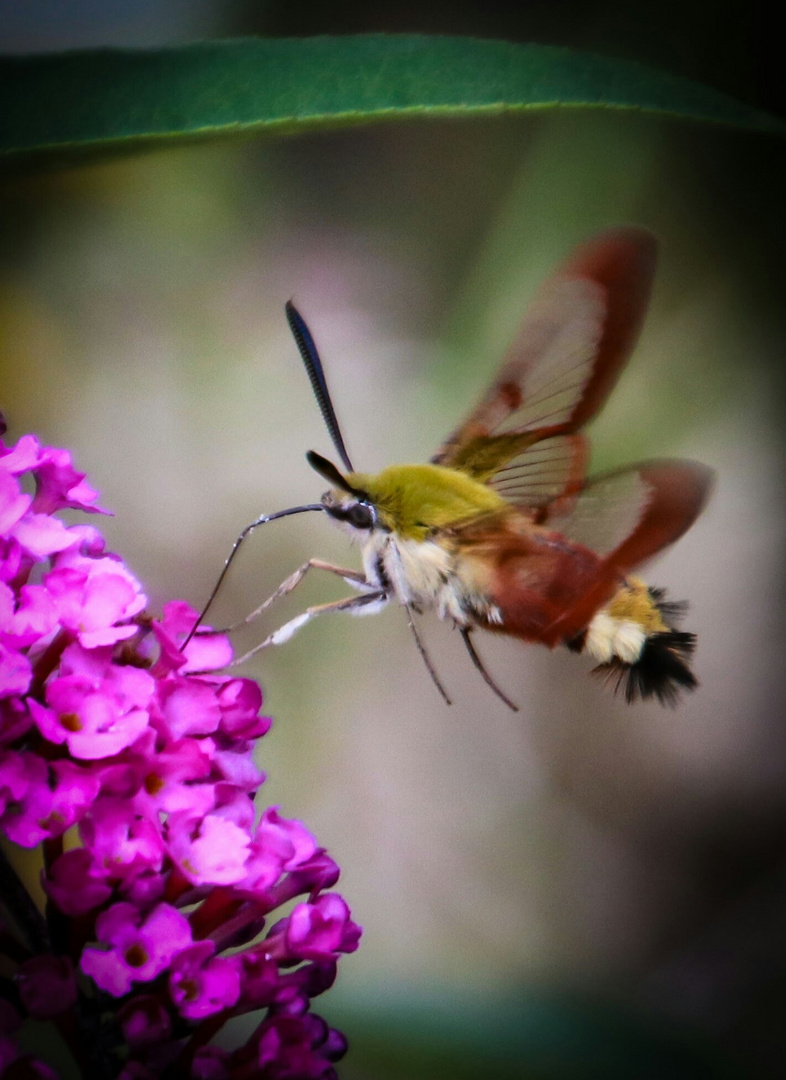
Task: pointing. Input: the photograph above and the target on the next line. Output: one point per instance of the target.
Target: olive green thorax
(413, 500)
(484, 455)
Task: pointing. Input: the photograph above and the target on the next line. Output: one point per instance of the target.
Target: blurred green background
(582, 889)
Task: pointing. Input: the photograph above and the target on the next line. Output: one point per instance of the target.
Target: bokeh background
(581, 886)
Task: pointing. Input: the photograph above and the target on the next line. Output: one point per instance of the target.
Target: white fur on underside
(608, 638)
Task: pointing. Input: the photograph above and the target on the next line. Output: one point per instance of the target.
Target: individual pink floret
(134, 948)
(60, 485)
(205, 651)
(212, 850)
(56, 796)
(122, 840)
(76, 883)
(40, 536)
(188, 707)
(145, 1021)
(321, 930)
(22, 458)
(167, 779)
(202, 983)
(93, 596)
(296, 1046)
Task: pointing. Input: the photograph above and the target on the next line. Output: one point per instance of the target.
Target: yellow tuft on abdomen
(619, 630)
(634, 603)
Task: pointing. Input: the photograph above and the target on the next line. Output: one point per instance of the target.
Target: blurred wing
(547, 477)
(627, 517)
(567, 355)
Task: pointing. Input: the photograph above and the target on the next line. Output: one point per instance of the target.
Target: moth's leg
(465, 633)
(411, 608)
(365, 604)
(425, 656)
(264, 520)
(352, 577)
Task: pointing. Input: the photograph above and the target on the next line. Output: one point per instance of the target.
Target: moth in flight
(502, 530)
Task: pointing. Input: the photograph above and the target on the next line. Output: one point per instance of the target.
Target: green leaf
(111, 99)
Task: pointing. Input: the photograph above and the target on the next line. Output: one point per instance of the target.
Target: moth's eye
(360, 516)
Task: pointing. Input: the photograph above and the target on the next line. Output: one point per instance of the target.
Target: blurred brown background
(628, 854)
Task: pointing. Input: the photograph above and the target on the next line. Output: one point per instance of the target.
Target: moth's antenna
(308, 352)
(248, 529)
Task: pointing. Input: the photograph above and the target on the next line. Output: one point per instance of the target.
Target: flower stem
(23, 911)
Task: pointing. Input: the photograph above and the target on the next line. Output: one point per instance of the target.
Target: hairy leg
(465, 632)
(424, 655)
(365, 604)
(352, 577)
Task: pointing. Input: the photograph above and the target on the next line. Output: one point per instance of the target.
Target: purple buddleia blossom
(161, 922)
(201, 983)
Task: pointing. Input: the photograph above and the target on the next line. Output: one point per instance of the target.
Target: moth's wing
(546, 478)
(546, 582)
(566, 357)
(626, 517)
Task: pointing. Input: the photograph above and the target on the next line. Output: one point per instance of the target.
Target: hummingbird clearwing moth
(502, 530)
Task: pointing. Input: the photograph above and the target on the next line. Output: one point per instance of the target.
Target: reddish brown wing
(566, 357)
(530, 575)
(627, 517)
(548, 581)
(547, 477)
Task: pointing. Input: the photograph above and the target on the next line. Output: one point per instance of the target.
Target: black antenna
(308, 352)
(235, 547)
(328, 471)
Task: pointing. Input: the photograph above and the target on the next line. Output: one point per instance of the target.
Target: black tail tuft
(671, 611)
(661, 671)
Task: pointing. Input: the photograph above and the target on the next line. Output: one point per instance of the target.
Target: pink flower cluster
(157, 927)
